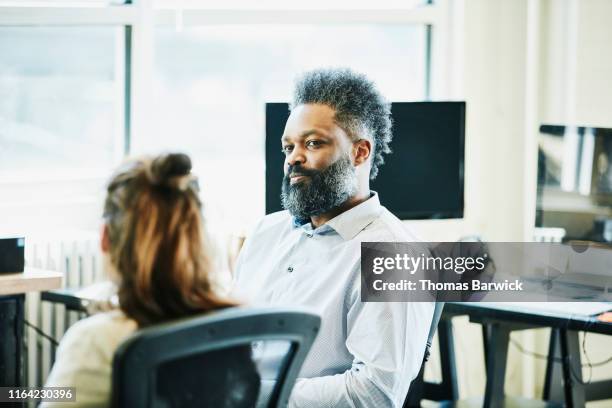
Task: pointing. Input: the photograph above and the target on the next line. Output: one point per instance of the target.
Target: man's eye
(286, 149)
(314, 143)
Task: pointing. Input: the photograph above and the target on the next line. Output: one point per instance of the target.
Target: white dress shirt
(366, 353)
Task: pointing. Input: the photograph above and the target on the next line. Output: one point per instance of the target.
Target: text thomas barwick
(425, 284)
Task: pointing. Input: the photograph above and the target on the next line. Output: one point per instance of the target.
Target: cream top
(84, 358)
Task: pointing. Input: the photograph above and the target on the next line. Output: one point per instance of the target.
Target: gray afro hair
(360, 108)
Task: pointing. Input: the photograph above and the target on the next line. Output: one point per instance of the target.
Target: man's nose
(296, 157)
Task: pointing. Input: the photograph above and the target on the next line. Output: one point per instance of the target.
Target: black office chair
(415, 392)
(234, 358)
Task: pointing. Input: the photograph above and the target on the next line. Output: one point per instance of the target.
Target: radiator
(78, 258)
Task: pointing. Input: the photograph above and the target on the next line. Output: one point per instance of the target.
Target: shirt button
(309, 235)
(290, 269)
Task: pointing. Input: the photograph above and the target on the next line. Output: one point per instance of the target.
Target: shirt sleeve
(387, 341)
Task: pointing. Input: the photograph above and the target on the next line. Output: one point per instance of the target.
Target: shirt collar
(351, 222)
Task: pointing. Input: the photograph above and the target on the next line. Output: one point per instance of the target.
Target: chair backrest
(439, 306)
(415, 392)
(237, 357)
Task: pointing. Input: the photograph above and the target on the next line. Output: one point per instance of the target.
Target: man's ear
(105, 239)
(361, 151)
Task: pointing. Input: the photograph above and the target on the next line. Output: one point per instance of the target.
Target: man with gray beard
(366, 354)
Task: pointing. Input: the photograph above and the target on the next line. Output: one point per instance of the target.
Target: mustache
(298, 170)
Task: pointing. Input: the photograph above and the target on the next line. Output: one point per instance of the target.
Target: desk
(563, 383)
(13, 287)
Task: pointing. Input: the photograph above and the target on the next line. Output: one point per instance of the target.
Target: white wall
(494, 65)
(576, 75)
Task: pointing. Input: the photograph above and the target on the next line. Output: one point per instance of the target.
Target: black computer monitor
(422, 178)
(575, 181)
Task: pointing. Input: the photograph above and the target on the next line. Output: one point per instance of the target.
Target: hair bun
(172, 165)
(167, 168)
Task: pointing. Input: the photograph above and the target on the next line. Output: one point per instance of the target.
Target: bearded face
(310, 192)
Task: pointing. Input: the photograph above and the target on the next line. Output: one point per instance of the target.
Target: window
(60, 110)
(61, 124)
